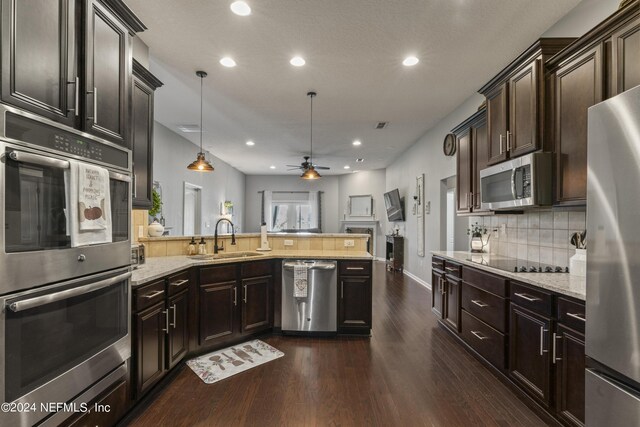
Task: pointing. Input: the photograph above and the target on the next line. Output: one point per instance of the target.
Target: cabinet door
(256, 304)
(463, 175)
(218, 304)
(570, 369)
(497, 117)
(354, 307)
(178, 328)
(452, 304)
(108, 75)
(578, 86)
(437, 296)
(529, 362)
(625, 58)
(522, 136)
(142, 140)
(480, 152)
(39, 57)
(150, 337)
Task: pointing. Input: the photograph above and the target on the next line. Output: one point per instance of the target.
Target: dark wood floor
(409, 373)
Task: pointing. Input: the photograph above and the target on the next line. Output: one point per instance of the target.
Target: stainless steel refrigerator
(613, 262)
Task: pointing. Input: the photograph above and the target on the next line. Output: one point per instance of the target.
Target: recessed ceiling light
(347, 167)
(357, 143)
(272, 167)
(360, 160)
(297, 61)
(240, 8)
(410, 61)
(250, 143)
(228, 62)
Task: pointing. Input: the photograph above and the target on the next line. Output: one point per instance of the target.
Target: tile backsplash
(538, 236)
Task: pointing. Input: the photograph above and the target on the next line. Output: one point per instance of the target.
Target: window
(291, 211)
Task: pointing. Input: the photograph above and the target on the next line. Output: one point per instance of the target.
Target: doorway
(192, 209)
(453, 228)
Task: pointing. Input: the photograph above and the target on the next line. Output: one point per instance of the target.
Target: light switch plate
(349, 243)
(288, 242)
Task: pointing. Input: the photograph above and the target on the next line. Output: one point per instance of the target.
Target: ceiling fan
(309, 170)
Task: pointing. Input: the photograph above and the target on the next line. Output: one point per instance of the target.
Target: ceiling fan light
(200, 164)
(310, 173)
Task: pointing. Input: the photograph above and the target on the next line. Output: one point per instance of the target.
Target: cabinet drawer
(217, 274)
(178, 282)
(571, 314)
(148, 295)
(534, 299)
(490, 343)
(115, 398)
(485, 306)
(256, 269)
(453, 269)
(437, 263)
(355, 268)
(486, 281)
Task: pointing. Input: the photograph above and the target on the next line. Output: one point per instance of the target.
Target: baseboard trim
(417, 279)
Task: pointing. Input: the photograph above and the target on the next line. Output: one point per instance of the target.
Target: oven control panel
(77, 147)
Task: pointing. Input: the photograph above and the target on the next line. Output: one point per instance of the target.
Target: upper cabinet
(39, 51)
(144, 85)
(472, 153)
(516, 103)
(70, 61)
(602, 63)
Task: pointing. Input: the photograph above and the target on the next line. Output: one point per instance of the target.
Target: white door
(451, 218)
(192, 214)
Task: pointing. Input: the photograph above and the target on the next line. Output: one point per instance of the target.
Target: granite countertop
(562, 283)
(158, 267)
(292, 235)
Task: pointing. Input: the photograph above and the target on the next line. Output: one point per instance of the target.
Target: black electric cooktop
(516, 265)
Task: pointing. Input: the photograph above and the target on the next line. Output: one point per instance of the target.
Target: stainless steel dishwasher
(317, 312)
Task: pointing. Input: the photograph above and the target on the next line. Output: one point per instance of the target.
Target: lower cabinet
(570, 369)
(256, 303)
(452, 301)
(354, 297)
(150, 338)
(218, 316)
(178, 345)
(115, 398)
(437, 296)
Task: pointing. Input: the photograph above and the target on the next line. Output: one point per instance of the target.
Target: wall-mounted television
(395, 205)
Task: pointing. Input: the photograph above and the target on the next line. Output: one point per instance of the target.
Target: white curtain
(314, 202)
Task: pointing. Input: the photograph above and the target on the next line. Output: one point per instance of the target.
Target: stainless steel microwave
(517, 183)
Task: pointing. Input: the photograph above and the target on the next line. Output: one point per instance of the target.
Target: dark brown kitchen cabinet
(625, 57)
(463, 172)
(144, 86)
(480, 152)
(218, 314)
(116, 398)
(578, 84)
(150, 337)
(107, 74)
(39, 50)
(570, 368)
(178, 344)
(522, 136)
(452, 303)
(529, 355)
(497, 116)
(354, 304)
(256, 303)
(437, 289)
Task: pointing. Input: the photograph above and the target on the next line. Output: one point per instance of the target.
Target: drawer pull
(235, 296)
(577, 316)
(355, 268)
(542, 331)
(479, 335)
(527, 297)
(166, 320)
(479, 303)
(173, 307)
(179, 282)
(153, 294)
(555, 337)
(452, 269)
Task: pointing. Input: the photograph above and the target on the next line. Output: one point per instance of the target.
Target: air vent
(381, 125)
(189, 128)
(359, 160)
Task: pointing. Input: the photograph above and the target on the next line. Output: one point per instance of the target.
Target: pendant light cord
(201, 129)
(311, 132)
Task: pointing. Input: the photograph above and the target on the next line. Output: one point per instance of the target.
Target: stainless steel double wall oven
(65, 320)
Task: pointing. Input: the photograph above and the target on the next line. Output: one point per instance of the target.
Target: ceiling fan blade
(294, 166)
(294, 169)
(322, 167)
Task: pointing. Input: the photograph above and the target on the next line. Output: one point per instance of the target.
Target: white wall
(172, 153)
(363, 183)
(253, 200)
(425, 156)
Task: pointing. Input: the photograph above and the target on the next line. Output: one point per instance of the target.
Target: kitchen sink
(227, 255)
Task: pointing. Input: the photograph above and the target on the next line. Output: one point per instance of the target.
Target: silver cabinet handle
(153, 294)
(166, 320)
(26, 304)
(76, 104)
(577, 316)
(479, 335)
(179, 282)
(245, 294)
(542, 331)
(95, 105)
(173, 307)
(355, 268)
(508, 141)
(479, 303)
(555, 337)
(342, 289)
(444, 286)
(235, 296)
(451, 268)
(133, 185)
(526, 297)
(501, 150)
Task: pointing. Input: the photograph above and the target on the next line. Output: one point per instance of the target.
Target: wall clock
(449, 145)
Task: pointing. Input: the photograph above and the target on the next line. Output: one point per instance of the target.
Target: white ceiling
(353, 49)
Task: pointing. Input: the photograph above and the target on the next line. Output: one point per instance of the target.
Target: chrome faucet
(217, 248)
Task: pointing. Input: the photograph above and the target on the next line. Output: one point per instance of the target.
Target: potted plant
(476, 231)
(156, 229)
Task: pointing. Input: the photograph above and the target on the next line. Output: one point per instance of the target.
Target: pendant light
(311, 172)
(201, 164)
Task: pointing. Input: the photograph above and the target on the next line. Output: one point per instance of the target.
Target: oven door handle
(20, 156)
(513, 184)
(29, 303)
